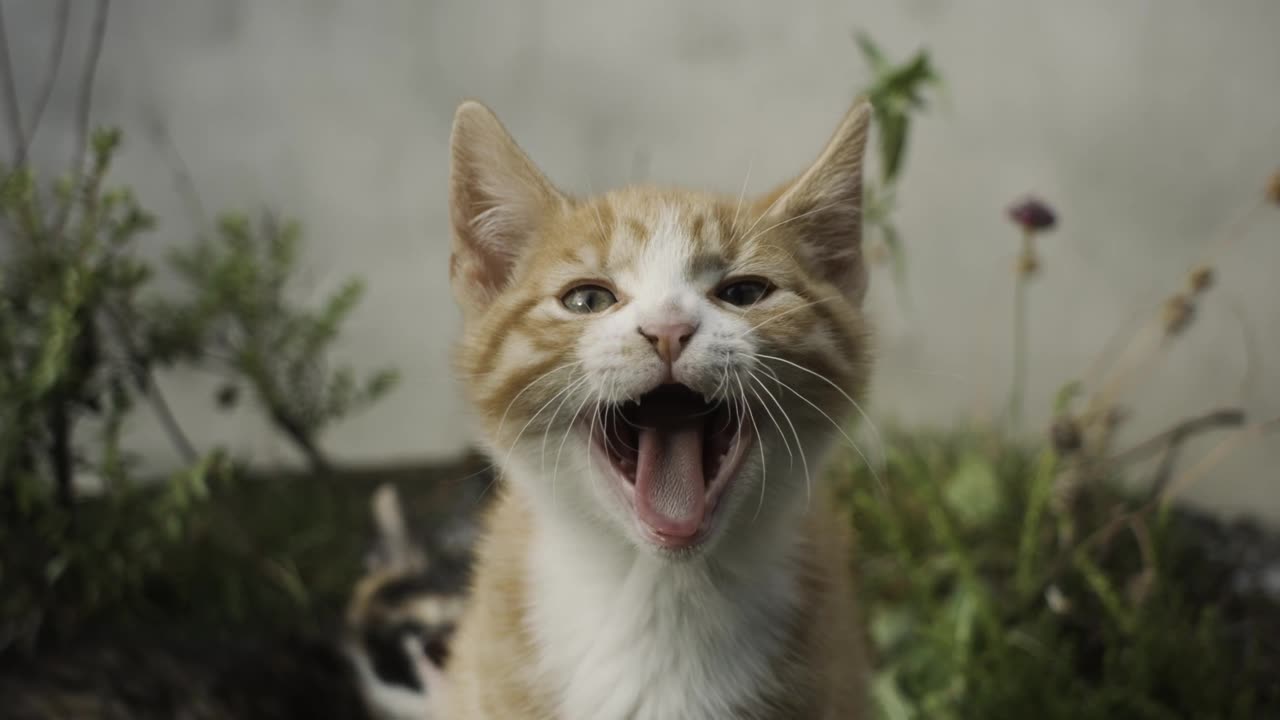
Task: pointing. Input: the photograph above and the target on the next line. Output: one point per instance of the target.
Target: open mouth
(674, 453)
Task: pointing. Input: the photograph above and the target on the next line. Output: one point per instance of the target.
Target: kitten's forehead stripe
(705, 263)
(639, 231)
(499, 332)
(697, 228)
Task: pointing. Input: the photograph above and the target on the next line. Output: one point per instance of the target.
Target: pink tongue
(670, 489)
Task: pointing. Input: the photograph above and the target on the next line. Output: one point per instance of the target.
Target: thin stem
(1220, 452)
(62, 22)
(84, 104)
(145, 378)
(61, 461)
(13, 113)
(1019, 335)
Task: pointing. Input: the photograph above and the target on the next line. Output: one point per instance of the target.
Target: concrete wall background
(1147, 124)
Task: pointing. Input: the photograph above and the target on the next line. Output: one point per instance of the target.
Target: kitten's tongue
(670, 488)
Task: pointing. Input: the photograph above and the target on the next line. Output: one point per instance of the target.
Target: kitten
(401, 616)
(658, 374)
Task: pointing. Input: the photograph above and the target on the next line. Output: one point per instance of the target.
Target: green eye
(744, 292)
(586, 299)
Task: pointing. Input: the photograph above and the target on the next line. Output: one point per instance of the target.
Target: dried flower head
(1201, 279)
(1115, 417)
(1177, 314)
(1273, 188)
(1065, 435)
(1033, 215)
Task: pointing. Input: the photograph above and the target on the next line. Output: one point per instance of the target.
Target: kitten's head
(669, 365)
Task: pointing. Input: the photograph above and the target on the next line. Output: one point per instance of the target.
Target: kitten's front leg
(431, 677)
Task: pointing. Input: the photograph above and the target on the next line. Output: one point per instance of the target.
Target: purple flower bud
(1032, 215)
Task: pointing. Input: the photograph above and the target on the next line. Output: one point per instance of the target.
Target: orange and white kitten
(658, 373)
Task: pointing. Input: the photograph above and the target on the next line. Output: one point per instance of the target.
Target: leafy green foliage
(977, 608)
(238, 318)
(74, 359)
(896, 92)
(68, 279)
(81, 332)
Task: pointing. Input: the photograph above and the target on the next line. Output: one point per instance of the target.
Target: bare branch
(84, 103)
(145, 378)
(62, 23)
(17, 137)
(1220, 452)
(1176, 435)
(182, 175)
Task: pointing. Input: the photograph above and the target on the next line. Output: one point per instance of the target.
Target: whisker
(764, 464)
(741, 194)
(765, 214)
(604, 235)
(613, 414)
(804, 461)
(785, 443)
(875, 430)
(845, 435)
(791, 219)
(550, 424)
(784, 313)
(555, 471)
(591, 431)
(568, 388)
(525, 389)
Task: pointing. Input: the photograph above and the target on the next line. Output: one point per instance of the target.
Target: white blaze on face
(655, 276)
(659, 281)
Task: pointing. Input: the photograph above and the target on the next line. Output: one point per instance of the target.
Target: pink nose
(668, 339)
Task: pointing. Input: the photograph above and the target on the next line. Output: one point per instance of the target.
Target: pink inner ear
(830, 237)
(496, 197)
(478, 275)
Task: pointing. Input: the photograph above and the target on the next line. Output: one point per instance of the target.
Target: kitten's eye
(744, 292)
(586, 299)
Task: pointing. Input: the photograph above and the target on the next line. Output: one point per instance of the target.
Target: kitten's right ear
(497, 198)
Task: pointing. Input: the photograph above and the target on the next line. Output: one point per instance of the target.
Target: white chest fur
(623, 635)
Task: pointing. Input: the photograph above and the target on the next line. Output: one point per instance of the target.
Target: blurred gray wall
(1147, 124)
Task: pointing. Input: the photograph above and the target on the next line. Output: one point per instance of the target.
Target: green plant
(1013, 578)
(977, 610)
(237, 319)
(896, 93)
(82, 333)
(75, 358)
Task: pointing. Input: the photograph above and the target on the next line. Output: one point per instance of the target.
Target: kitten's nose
(668, 339)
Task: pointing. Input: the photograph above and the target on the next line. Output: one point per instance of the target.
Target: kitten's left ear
(824, 206)
(497, 200)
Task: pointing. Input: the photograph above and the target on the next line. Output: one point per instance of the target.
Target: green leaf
(973, 493)
(55, 568)
(871, 52)
(889, 698)
(890, 626)
(1066, 393)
